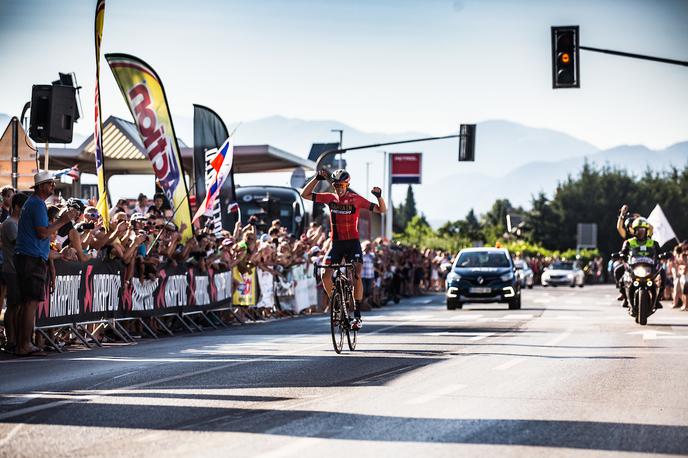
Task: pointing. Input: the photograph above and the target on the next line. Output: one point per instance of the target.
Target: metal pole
(390, 205)
(383, 216)
(635, 56)
(45, 164)
(15, 151)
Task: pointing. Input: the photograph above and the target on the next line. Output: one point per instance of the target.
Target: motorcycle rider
(642, 245)
(624, 227)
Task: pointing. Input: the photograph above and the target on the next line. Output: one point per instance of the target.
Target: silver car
(524, 274)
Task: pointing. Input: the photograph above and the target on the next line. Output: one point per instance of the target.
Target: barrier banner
(301, 294)
(90, 291)
(145, 96)
(245, 293)
(267, 291)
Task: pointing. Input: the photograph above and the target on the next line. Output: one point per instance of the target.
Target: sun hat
(42, 177)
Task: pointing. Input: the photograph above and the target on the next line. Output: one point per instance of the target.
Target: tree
(409, 205)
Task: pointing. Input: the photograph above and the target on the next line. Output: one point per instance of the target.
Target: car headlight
(507, 276)
(569, 276)
(641, 271)
(453, 276)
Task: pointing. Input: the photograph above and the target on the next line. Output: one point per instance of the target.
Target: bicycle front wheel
(337, 324)
(351, 334)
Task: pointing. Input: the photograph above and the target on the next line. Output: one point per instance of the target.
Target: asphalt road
(569, 374)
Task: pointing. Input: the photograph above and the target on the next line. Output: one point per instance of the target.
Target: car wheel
(515, 303)
(454, 304)
(573, 284)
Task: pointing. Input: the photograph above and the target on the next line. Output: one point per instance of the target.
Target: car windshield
(520, 264)
(482, 259)
(562, 266)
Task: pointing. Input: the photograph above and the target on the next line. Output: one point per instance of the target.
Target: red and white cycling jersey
(344, 213)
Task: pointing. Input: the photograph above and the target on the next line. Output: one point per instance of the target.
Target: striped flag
(222, 164)
(72, 172)
(102, 205)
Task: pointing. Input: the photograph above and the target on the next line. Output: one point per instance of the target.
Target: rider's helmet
(639, 223)
(340, 178)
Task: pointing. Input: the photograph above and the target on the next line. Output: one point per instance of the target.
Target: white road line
(481, 337)
(518, 316)
(414, 317)
(422, 301)
(558, 339)
(466, 317)
(436, 394)
(509, 364)
(14, 399)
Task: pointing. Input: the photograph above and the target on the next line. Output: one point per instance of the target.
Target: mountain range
(512, 160)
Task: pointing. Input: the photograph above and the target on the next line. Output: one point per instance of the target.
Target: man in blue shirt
(31, 257)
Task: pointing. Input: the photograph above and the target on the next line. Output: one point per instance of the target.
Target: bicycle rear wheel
(337, 322)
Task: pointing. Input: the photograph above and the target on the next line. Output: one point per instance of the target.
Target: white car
(563, 273)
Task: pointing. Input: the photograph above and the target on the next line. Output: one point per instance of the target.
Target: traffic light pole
(635, 56)
(388, 217)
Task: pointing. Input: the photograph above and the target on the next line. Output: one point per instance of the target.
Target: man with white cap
(31, 256)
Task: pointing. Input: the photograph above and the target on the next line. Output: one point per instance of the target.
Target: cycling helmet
(73, 202)
(340, 176)
(642, 222)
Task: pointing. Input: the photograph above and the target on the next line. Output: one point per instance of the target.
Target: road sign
(586, 235)
(406, 167)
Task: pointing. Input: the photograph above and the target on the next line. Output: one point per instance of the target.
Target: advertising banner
(144, 93)
(245, 292)
(406, 167)
(96, 291)
(90, 291)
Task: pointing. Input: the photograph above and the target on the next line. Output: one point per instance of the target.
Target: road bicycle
(342, 306)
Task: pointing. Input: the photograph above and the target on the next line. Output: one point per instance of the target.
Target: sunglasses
(340, 184)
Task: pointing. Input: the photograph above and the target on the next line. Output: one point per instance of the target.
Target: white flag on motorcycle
(662, 231)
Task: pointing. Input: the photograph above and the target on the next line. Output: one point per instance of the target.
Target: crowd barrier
(96, 291)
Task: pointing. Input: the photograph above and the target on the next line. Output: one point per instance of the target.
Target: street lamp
(341, 134)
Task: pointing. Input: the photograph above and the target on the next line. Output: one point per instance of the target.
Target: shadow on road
(586, 435)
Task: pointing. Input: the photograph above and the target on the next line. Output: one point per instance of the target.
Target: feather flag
(102, 205)
(222, 164)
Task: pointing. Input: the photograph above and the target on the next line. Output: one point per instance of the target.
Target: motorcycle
(641, 282)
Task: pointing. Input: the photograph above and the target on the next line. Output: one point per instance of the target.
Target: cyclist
(344, 207)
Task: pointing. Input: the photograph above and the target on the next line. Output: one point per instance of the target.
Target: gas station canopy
(125, 154)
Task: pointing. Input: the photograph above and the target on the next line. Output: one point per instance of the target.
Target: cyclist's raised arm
(381, 206)
(307, 192)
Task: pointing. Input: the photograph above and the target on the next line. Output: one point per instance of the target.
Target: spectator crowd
(142, 236)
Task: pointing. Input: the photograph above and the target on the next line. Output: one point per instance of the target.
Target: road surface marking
(657, 335)
(447, 390)
(422, 301)
(292, 448)
(465, 317)
(558, 339)
(518, 316)
(14, 399)
(509, 364)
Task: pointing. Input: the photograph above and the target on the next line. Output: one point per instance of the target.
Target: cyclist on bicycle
(344, 207)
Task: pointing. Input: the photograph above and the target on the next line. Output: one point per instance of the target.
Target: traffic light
(565, 57)
(467, 142)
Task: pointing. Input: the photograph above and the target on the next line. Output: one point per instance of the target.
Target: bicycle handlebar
(347, 265)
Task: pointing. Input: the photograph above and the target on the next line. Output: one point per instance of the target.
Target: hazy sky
(385, 66)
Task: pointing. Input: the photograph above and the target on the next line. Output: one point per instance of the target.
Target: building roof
(124, 153)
